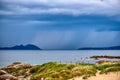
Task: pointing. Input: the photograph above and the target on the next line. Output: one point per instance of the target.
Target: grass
(12, 70)
(56, 71)
(108, 67)
(113, 69)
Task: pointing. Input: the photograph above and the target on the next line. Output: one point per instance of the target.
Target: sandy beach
(109, 76)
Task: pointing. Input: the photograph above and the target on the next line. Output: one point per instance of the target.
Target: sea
(62, 56)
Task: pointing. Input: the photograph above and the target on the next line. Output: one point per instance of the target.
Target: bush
(109, 67)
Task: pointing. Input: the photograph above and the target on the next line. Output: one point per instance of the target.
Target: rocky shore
(59, 71)
(16, 71)
(105, 56)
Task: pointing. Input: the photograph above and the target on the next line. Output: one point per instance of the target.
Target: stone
(2, 72)
(8, 77)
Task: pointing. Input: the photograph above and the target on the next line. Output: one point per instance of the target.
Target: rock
(102, 61)
(14, 70)
(7, 68)
(21, 72)
(2, 72)
(17, 65)
(22, 65)
(13, 64)
(8, 77)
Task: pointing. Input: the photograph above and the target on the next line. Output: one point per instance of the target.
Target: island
(22, 47)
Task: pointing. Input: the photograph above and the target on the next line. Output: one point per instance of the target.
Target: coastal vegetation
(108, 67)
(56, 71)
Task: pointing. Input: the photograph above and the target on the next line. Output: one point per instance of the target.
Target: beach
(109, 76)
(61, 71)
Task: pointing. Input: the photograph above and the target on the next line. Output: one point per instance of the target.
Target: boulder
(8, 77)
(2, 72)
(17, 65)
(22, 65)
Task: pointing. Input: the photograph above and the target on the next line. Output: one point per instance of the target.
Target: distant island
(101, 48)
(21, 47)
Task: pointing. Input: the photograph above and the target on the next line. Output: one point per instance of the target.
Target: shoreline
(58, 71)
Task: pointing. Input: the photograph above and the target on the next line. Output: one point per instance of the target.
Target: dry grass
(56, 71)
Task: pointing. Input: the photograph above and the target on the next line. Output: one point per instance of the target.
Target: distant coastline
(34, 47)
(101, 48)
(22, 47)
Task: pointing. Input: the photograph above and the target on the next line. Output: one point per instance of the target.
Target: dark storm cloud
(60, 24)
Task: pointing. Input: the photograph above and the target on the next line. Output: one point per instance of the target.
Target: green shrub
(105, 68)
(12, 70)
(34, 69)
(57, 71)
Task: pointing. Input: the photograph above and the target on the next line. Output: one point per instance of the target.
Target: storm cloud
(60, 24)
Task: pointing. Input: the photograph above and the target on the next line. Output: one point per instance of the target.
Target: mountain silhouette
(22, 47)
(101, 48)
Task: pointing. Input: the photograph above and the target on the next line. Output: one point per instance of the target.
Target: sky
(60, 24)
